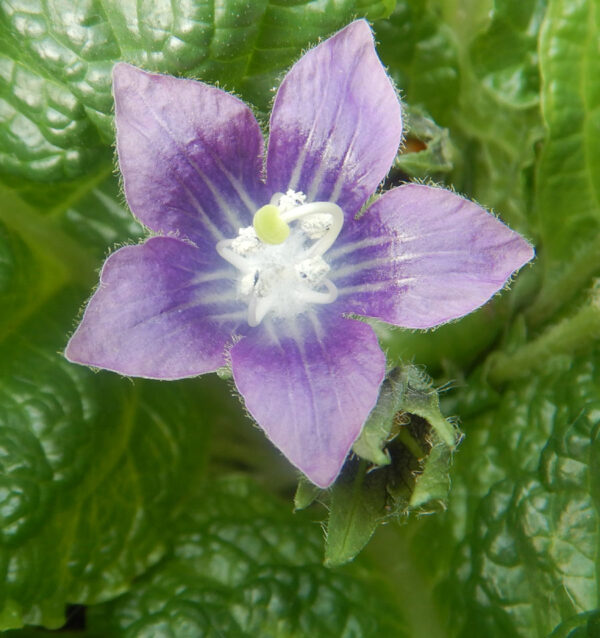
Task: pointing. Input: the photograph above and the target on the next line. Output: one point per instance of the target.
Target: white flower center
(281, 267)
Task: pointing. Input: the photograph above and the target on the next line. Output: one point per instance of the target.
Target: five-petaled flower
(266, 275)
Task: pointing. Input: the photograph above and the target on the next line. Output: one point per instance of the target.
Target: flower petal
(190, 155)
(421, 256)
(312, 390)
(336, 122)
(161, 311)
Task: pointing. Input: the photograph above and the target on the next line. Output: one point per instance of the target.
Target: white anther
(333, 211)
(312, 270)
(246, 241)
(247, 284)
(315, 226)
(290, 200)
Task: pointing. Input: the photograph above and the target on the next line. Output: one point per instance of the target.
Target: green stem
(566, 337)
(557, 291)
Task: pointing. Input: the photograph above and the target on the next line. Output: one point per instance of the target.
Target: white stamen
(286, 278)
(315, 226)
(290, 200)
(235, 259)
(312, 270)
(246, 241)
(313, 296)
(319, 208)
(258, 308)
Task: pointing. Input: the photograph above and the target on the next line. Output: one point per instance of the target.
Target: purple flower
(266, 275)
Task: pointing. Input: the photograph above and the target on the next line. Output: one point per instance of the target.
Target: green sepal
(376, 432)
(422, 399)
(357, 507)
(406, 389)
(433, 483)
(225, 373)
(306, 494)
(407, 431)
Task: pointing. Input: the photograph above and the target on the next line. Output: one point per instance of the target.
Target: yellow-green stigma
(269, 226)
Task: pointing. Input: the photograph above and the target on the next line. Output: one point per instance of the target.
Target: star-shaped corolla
(263, 275)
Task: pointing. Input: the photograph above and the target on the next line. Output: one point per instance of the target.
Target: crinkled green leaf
(568, 178)
(51, 198)
(244, 566)
(56, 58)
(40, 252)
(18, 278)
(45, 132)
(499, 110)
(504, 57)
(524, 507)
(93, 469)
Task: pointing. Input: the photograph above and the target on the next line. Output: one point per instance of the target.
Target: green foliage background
(158, 506)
